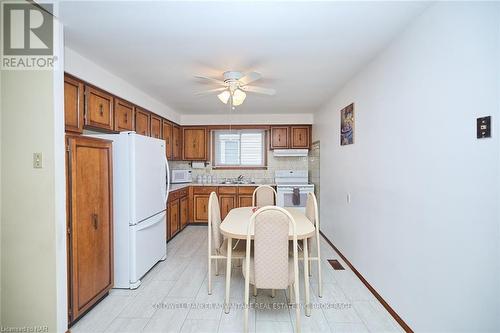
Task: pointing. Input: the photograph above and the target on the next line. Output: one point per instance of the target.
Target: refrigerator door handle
(151, 221)
(168, 179)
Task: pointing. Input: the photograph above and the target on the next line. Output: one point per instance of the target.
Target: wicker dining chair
(271, 267)
(313, 216)
(217, 245)
(264, 195)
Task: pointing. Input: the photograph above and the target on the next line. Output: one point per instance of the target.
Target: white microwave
(181, 176)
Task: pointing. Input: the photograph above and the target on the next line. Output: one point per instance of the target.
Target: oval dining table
(235, 226)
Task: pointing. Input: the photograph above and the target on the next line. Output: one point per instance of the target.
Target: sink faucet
(240, 178)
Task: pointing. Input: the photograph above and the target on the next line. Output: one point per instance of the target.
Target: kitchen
(231, 161)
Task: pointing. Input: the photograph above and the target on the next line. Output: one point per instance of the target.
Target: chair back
(271, 253)
(312, 210)
(264, 195)
(214, 220)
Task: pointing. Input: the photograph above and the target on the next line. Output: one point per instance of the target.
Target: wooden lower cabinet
(201, 207)
(229, 197)
(177, 212)
(245, 195)
(244, 201)
(226, 202)
(199, 202)
(183, 212)
(173, 218)
(90, 222)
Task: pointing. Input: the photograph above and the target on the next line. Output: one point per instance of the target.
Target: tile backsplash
(259, 176)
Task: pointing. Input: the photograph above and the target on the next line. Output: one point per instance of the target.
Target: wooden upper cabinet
(98, 109)
(73, 104)
(279, 137)
(124, 116)
(194, 143)
(142, 121)
(300, 137)
(167, 136)
(156, 125)
(176, 143)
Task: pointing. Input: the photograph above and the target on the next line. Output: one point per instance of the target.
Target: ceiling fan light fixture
(224, 96)
(238, 97)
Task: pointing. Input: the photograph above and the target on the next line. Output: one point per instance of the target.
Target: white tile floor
(159, 305)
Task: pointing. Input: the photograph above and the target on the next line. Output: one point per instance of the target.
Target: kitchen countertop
(175, 187)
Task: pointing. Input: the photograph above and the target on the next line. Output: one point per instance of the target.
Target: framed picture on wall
(347, 125)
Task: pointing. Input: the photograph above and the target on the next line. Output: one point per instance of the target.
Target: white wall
(28, 245)
(60, 232)
(423, 223)
(33, 221)
(242, 119)
(1, 112)
(89, 71)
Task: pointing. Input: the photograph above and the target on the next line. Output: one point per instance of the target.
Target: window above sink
(239, 149)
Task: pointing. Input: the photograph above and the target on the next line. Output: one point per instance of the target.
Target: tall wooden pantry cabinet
(90, 222)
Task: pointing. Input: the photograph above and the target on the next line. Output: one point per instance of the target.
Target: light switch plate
(37, 161)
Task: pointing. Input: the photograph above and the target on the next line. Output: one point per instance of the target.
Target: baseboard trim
(372, 290)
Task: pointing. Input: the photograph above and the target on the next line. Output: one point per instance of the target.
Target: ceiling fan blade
(206, 92)
(210, 79)
(249, 77)
(259, 90)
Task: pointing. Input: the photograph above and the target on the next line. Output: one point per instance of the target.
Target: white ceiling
(304, 50)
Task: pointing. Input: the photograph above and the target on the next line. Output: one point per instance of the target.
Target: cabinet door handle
(279, 137)
(300, 137)
(101, 111)
(204, 208)
(126, 118)
(95, 220)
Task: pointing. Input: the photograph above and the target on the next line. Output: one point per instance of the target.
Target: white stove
(292, 187)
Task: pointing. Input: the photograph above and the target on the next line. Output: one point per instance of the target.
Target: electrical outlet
(37, 161)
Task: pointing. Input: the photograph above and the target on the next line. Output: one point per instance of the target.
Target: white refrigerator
(140, 191)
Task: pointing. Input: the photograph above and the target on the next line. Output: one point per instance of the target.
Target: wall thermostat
(483, 127)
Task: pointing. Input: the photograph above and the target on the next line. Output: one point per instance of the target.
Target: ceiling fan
(234, 87)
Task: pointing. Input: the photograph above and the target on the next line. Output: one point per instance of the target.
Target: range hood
(290, 152)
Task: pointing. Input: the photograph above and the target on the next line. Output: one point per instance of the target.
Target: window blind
(239, 148)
